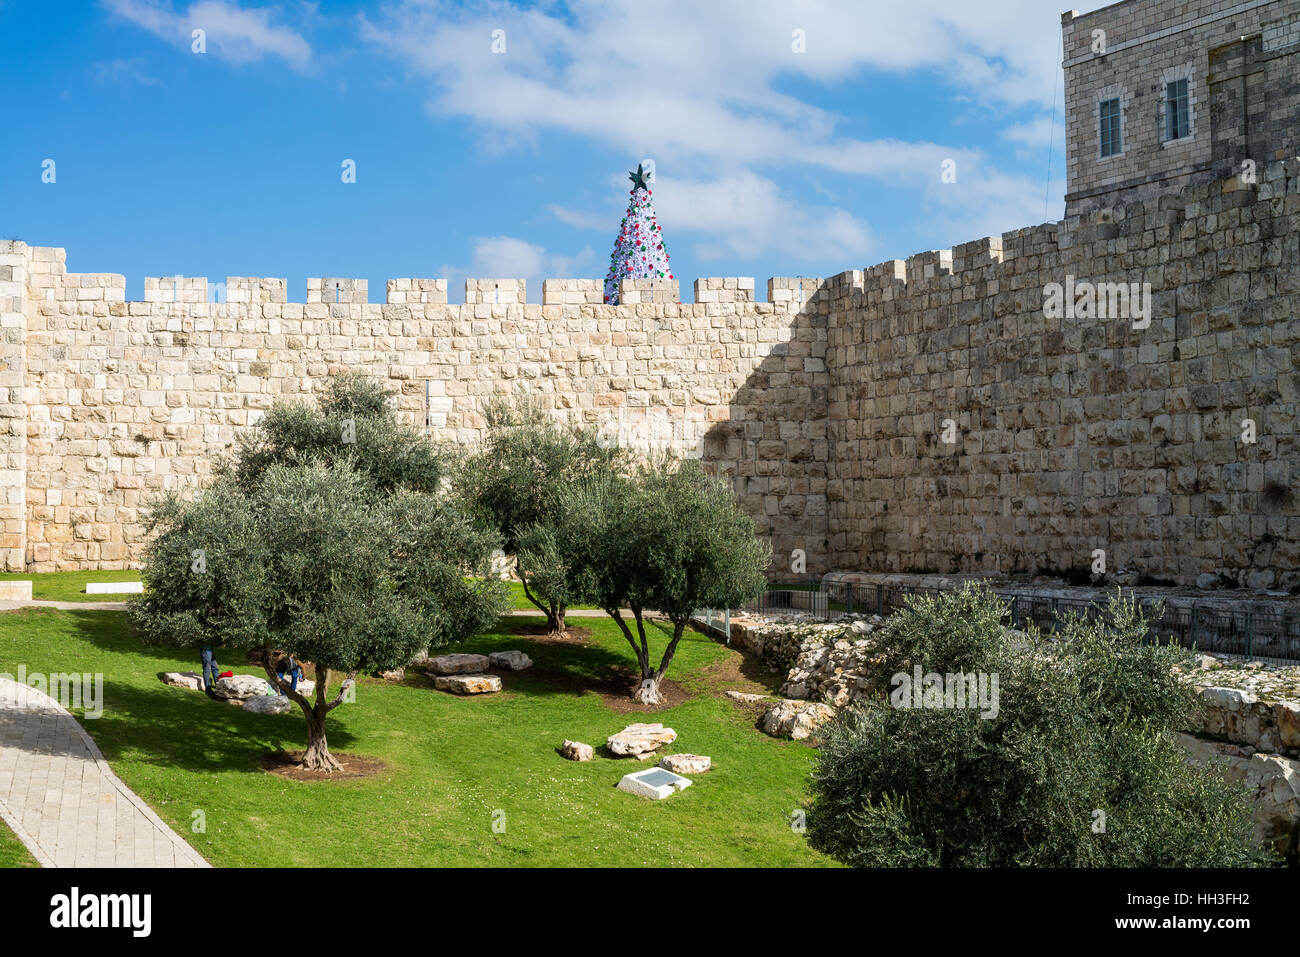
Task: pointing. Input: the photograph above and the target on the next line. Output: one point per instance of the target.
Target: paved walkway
(12, 604)
(58, 794)
(121, 606)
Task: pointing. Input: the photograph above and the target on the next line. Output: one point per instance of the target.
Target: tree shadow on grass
(182, 729)
(176, 727)
(566, 667)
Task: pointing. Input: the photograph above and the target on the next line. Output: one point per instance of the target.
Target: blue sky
(770, 160)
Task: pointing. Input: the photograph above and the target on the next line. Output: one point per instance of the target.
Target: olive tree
(353, 423)
(516, 482)
(311, 562)
(1075, 766)
(669, 539)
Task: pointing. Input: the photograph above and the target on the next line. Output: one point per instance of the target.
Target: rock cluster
(464, 674)
(838, 670)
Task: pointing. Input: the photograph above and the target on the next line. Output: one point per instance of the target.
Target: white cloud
(1038, 132)
(508, 257)
(744, 215)
(704, 84)
(233, 33)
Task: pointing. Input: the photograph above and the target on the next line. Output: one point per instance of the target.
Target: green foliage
(1084, 724)
(312, 563)
(671, 538)
(668, 539)
(516, 483)
(527, 461)
(354, 425)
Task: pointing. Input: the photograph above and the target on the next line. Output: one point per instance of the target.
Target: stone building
(1161, 94)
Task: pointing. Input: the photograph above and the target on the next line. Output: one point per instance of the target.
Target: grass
(12, 851)
(71, 586)
(454, 765)
(523, 604)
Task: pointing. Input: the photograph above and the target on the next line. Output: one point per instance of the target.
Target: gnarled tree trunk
(317, 757)
(554, 611)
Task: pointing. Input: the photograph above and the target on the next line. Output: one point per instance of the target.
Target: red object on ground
(226, 674)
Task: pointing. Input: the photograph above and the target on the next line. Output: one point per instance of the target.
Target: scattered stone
(655, 783)
(468, 684)
(511, 660)
(576, 751)
(746, 697)
(395, 674)
(183, 679)
(459, 664)
(1207, 580)
(640, 739)
(241, 687)
(796, 719)
(269, 704)
(685, 763)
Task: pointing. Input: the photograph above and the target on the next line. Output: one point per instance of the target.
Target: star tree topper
(638, 178)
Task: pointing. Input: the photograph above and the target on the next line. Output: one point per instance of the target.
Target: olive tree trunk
(317, 757)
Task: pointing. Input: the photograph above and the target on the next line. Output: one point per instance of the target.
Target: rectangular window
(1111, 143)
(1177, 123)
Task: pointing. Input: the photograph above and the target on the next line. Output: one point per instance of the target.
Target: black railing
(1241, 630)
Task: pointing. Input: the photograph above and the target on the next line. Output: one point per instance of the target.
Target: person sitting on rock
(288, 670)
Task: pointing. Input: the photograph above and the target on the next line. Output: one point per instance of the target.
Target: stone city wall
(919, 415)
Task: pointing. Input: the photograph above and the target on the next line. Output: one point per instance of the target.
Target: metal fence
(1241, 630)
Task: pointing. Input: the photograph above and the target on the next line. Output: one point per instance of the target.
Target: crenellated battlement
(824, 405)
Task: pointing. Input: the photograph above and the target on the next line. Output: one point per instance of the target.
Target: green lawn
(12, 851)
(522, 602)
(71, 586)
(454, 764)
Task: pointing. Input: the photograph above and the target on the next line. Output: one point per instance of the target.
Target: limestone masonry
(1195, 89)
(926, 415)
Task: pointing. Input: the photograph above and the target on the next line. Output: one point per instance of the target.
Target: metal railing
(1241, 630)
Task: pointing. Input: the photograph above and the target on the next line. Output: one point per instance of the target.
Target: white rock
(183, 679)
(241, 687)
(510, 660)
(577, 751)
(745, 696)
(795, 719)
(685, 763)
(459, 664)
(639, 739)
(1229, 699)
(468, 684)
(269, 704)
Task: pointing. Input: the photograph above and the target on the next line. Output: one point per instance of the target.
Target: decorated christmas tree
(639, 251)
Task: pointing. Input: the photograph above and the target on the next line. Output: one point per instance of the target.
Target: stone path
(58, 794)
(11, 605)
